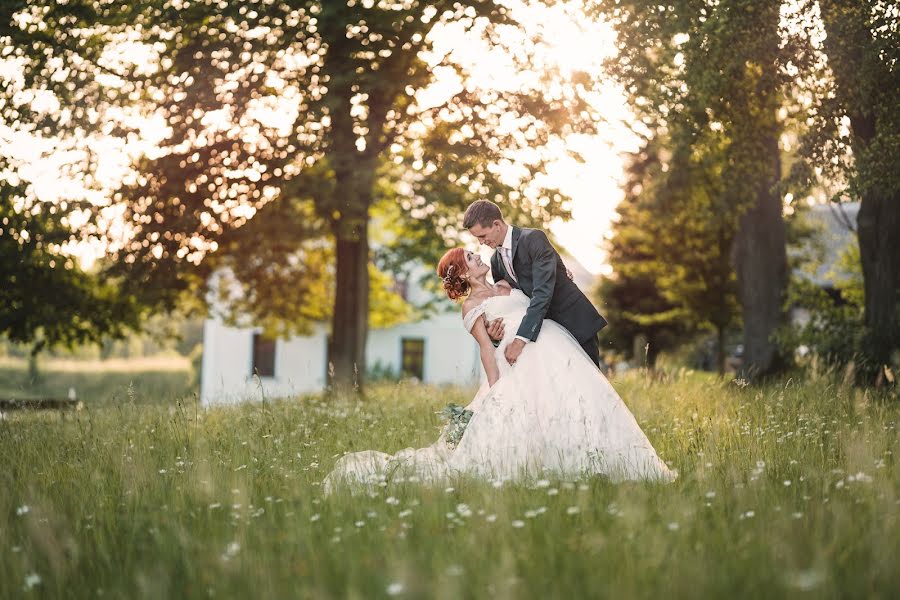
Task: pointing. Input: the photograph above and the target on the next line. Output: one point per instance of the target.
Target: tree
(316, 104)
(46, 298)
(632, 294)
(670, 251)
(690, 67)
(862, 46)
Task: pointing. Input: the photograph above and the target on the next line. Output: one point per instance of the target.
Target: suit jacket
(542, 276)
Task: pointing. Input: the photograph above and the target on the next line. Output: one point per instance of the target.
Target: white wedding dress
(553, 412)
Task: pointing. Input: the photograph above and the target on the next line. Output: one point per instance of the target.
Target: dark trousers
(592, 347)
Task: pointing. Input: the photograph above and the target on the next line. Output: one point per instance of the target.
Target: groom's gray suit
(541, 275)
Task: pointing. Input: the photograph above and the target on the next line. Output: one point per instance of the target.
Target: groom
(527, 261)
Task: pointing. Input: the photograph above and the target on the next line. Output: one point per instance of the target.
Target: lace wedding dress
(552, 412)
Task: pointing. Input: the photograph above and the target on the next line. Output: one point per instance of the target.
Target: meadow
(786, 490)
(154, 380)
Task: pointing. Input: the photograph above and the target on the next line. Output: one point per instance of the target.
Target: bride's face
(475, 265)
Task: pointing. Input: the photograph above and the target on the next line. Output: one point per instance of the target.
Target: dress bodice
(510, 308)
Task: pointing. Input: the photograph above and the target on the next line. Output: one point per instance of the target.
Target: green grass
(101, 383)
(790, 490)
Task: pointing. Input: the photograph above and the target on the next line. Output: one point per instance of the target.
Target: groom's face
(491, 236)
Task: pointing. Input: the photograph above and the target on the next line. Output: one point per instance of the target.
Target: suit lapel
(516, 234)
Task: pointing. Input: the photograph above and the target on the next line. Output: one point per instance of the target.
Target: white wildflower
(404, 513)
(573, 510)
(395, 589)
(392, 501)
(23, 510)
(518, 524)
(464, 510)
(490, 518)
(787, 483)
(360, 523)
(552, 492)
(542, 483)
(231, 551)
(31, 580)
(315, 517)
(673, 526)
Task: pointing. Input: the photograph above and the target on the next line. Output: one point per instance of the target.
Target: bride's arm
(486, 349)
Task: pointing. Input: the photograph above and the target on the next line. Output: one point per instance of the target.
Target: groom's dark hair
(483, 212)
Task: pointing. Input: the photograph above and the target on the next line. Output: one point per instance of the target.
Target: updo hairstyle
(451, 269)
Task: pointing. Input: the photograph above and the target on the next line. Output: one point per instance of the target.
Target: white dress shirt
(506, 255)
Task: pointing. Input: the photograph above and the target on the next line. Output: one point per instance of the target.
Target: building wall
(228, 359)
(451, 354)
(450, 357)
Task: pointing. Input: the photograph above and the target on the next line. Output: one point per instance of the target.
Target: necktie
(507, 256)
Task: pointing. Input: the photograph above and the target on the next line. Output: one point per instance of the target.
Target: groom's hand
(514, 350)
(494, 329)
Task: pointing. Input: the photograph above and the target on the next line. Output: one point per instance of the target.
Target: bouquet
(457, 419)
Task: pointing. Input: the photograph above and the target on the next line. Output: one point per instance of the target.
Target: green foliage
(854, 141)
(46, 299)
(784, 490)
(833, 331)
(299, 117)
(670, 252)
(633, 296)
(706, 82)
(355, 137)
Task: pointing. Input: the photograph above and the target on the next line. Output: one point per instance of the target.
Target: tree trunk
(720, 350)
(878, 226)
(761, 265)
(863, 88)
(34, 374)
(349, 323)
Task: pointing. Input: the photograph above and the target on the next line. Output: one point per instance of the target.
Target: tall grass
(784, 491)
(98, 383)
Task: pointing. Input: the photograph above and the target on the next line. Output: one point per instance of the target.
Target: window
(413, 361)
(263, 356)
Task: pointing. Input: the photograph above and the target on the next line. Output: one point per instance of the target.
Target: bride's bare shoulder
(503, 284)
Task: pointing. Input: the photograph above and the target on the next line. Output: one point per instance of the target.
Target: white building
(437, 350)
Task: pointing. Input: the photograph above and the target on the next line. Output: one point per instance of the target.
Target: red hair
(450, 269)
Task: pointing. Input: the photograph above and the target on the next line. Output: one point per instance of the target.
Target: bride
(553, 411)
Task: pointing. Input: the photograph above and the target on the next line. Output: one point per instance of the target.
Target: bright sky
(576, 44)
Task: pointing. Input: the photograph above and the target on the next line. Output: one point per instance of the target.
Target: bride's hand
(494, 328)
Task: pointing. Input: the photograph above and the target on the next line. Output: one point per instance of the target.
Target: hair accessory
(448, 278)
